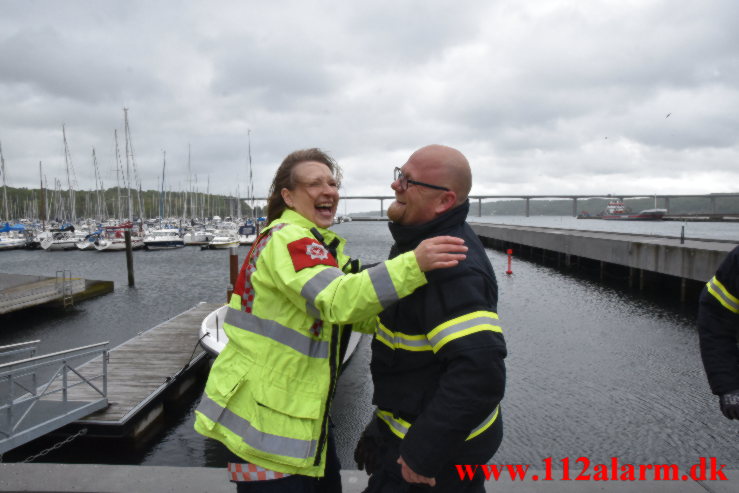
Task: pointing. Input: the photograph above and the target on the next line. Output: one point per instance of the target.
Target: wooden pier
(147, 375)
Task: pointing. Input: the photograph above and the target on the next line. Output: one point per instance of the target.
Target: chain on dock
(56, 446)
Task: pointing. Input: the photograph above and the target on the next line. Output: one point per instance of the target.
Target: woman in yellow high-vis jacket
(269, 391)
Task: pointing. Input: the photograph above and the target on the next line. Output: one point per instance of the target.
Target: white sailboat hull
(117, 245)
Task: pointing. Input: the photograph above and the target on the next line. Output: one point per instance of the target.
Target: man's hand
(411, 477)
(730, 404)
(440, 252)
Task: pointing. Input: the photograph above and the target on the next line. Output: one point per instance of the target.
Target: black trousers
(388, 479)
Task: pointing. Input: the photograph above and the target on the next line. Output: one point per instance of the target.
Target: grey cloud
(63, 66)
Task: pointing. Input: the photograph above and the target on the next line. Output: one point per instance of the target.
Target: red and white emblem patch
(316, 251)
(308, 252)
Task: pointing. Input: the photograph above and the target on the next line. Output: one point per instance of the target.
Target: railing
(14, 352)
(663, 198)
(27, 412)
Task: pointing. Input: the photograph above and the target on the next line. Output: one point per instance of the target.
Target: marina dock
(146, 375)
(19, 291)
(690, 260)
(122, 393)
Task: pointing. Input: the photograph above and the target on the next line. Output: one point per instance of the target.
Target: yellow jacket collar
(292, 217)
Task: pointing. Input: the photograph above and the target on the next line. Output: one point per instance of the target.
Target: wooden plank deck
(140, 369)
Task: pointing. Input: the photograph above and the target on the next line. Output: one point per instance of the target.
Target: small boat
(60, 239)
(88, 242)
(247, 234)
(213, 338)
(163, 239)
(224, 238)
(617, 210)
(12, 236)
(200, 236)
(113, 239)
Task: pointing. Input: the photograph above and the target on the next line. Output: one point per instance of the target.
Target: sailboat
(64, 237)
(164, 237)
(113, 238)
(10, 236)
(248, 231)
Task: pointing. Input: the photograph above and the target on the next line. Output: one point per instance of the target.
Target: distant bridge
(712, 197)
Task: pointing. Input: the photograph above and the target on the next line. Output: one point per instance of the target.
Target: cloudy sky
(544, 96)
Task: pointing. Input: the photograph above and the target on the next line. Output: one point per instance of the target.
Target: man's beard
(395, 212)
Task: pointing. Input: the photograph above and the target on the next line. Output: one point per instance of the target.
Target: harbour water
(594, 369)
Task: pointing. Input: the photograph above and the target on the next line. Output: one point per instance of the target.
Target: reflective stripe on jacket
(269, 391)
(719, 291)
(400, 427)
(718, 326)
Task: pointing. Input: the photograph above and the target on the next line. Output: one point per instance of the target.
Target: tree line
(113, 203)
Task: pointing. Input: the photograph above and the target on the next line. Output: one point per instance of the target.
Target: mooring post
(129, 256)
(233, 264)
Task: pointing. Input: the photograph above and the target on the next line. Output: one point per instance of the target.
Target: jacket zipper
(331, 388)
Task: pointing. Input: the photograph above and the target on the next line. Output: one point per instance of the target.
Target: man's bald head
(448, 166)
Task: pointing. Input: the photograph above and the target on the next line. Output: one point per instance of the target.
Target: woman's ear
(287, 197)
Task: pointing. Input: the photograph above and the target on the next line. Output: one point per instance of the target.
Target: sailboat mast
(128, 162)
(250, 191)
(67, 161)
(42, 198)
(5, 191)
(161, 194)
(188, 190)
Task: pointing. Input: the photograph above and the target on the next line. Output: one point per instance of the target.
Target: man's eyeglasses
(404, 181)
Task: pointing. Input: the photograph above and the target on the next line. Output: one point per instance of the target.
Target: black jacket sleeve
(470, 387)
(718, 326)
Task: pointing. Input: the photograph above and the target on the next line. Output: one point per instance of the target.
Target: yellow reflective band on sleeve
(485, 424)
(399, 427)
(722, 295)
(464, 325)
(315, 286)
(398, 340)
(383, 284)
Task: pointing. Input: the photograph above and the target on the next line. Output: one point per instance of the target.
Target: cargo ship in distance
(616, 210)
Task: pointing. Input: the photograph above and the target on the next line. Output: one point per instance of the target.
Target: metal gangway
(28, 411)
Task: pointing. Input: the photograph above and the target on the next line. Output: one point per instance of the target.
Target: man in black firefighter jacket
(718, 327)
(437, 355)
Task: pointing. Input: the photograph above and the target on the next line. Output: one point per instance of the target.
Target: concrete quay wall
(693, 259)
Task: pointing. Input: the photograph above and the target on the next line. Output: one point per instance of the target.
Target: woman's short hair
(284, 177)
